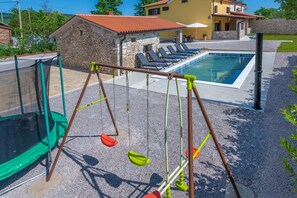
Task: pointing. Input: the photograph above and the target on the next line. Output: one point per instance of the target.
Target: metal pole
(20, 18)
(200, 103)
(190, 140)
(258, 71)
(2, 17)
(69, 126)
(29, 16)
(62, 84)
(45, 109)
(146, 71)
(19, 84)
(107, 103)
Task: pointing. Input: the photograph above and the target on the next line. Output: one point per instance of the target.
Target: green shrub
(290, 145)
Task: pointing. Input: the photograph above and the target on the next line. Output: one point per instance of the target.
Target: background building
(5, 34)
(225, 19)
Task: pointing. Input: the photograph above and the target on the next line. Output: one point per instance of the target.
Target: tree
(290, 114)
(289, 8)
(42, 23)
(37, 30)
(270, 13)
(104, 6)
(139, 7)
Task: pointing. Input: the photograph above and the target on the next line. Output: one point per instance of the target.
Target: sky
(85, 6)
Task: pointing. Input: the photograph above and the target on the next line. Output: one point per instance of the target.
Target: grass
(285, 46)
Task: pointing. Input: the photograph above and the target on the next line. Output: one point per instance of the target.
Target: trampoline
(28, 129)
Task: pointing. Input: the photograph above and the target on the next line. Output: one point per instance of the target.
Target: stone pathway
(73, 79)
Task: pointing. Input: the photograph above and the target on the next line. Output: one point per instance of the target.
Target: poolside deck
(250, 140)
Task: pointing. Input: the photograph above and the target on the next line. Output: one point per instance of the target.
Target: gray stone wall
(81, 43)
(135, 43)
(218, 35)
(274, 26)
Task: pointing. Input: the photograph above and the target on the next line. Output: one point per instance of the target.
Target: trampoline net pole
(18, 81)
(45, 108)
(62, 83)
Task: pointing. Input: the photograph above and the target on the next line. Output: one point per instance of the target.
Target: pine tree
(139, 7)
(104, 6)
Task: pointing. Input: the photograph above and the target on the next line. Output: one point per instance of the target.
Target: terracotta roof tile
(131, 24)
(157, 3)
(233, 16)
(244, 14)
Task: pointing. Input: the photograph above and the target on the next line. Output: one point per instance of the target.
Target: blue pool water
(216, 67)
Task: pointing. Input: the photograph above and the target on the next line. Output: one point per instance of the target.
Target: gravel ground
(250, 141)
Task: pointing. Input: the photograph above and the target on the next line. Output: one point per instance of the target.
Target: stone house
(109, 39)
(5, 34)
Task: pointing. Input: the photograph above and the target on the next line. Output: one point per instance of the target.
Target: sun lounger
(180, 49)
(169, 56)
(187, 48)
(149, 65)
(173, 52)
(155, 58)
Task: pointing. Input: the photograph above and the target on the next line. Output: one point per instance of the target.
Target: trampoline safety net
(22, 120)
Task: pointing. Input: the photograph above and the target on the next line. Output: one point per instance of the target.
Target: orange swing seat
(108, 141)
(194, 150)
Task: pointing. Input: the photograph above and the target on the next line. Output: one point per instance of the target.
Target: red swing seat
(155, 194)
(108, 141)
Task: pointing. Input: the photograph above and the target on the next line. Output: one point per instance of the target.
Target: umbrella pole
(196, 34)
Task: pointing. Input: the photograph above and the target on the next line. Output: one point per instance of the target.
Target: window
(81, 32)
(227, 26)
(184, 1)
(133, 39)
(165, 8)
(154, 11)
(242, 26)
(217, 26)
(228, 10)
(147, 48)
(216, 9)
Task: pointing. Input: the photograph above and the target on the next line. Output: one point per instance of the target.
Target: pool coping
(237, 83)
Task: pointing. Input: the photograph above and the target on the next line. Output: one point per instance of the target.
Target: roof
(4, 25)
(131, 24)
(244, 14)
(157, 3)
(232, 16)
(238, 15)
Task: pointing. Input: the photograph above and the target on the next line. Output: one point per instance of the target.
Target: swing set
(140, 159)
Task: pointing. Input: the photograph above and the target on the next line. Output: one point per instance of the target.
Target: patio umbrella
(196, 25)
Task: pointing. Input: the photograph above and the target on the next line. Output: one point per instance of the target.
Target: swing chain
(147, 114)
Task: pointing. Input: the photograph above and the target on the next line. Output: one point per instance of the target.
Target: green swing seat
(138, 159)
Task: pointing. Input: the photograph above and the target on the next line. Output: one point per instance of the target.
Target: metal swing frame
(191, 89)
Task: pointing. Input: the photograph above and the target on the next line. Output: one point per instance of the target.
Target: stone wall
(219, 35)
(81, 43)
(5, 36)
(274, 26)
(136, 43)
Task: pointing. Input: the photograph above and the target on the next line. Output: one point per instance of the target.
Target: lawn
(285, 46)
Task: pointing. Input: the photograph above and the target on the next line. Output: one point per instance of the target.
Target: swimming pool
(223, 68)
